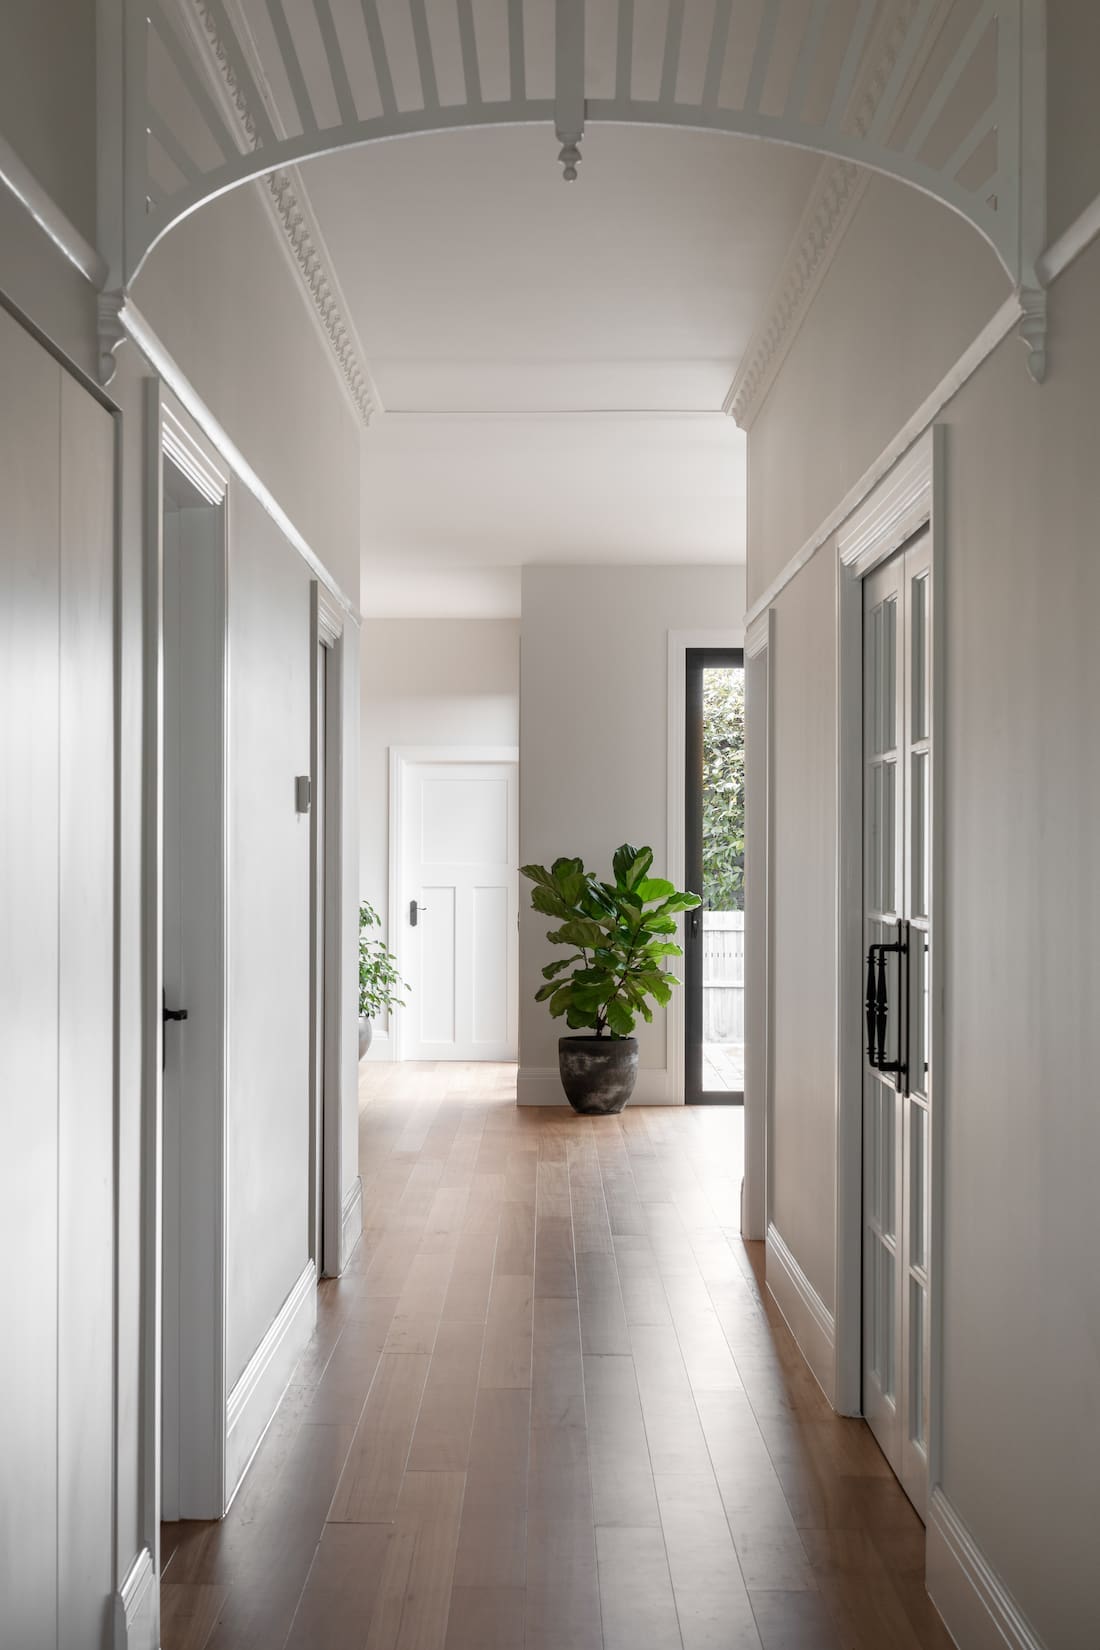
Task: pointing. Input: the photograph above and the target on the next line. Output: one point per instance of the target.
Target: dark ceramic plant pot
(598, 1073)
(366, 1032)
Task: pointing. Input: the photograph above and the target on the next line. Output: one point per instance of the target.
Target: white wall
(1020, 1129)
(427, 682)
(594, 742)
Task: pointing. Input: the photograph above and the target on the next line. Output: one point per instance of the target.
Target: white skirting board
(136, 1626)
(351, 1222)
(979, 1611)
(541, 1086)
(381, 1048)
(808, 1318)
(255, 1398)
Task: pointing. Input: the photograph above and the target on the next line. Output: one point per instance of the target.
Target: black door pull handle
(167, 1013)
(877, 1006)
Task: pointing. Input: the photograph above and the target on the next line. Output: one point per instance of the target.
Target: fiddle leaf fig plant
(379, 981)
(618, 936)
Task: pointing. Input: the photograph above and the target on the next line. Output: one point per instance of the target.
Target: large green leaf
(546, 991)
(660, 948)
(620, 1018)
(537, 873)
(653, 888)
(552, 970)
(655, 922)
(550, 903)
(581, 931)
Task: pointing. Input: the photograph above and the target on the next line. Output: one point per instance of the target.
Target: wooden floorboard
(551, 1406)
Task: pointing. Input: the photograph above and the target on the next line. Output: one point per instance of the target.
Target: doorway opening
(714, 837)
(325, 804)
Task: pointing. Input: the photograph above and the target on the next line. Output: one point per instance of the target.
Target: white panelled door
(458, 891)
(897, 1102)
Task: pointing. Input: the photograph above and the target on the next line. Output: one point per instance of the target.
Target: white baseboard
(351, 1222)
(541, 1086)
(808, 1318)
(136, 1624)
(255, 1398)
(381, 1048)
(979, 1611)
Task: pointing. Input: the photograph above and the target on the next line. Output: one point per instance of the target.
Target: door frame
(172, 439)
(756, 1204)
(707, 658)
(402, 757)
(910, 498)
(326, 1165)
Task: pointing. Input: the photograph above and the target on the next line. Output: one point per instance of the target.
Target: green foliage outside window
(724, 790)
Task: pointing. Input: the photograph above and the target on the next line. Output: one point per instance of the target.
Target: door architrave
(909, 498)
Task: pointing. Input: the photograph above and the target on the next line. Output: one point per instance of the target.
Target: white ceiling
(553, 357)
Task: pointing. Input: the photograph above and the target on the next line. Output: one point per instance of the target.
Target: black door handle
(877, 1006)
(171, 1013)
(414, 912)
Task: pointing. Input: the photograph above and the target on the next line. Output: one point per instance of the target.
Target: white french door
(897, 1096)
(457, 915)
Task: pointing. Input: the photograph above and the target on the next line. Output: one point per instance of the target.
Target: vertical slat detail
(299, 91)
(624, 53)
(762, 56)
(425, 61)
(377, 42)
(670, 66)
(471, 69)
(950, 79)
(849, 68)
(888, 104)
(517, 60)
(341, 85)
(807, 57)
(716, 56)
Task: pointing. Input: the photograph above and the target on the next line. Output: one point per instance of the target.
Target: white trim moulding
(137, 328)
(181, 447)
(136, 1607)
(251, 1405)
(807, 1316)
(992, 334)
(351, 1222)
(975, 1604)
(49, 217)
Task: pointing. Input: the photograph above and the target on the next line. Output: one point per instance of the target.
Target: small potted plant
(618, 935)
(379, 981)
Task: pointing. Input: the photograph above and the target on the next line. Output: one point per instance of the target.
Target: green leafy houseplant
(379, 981)
(618, 935)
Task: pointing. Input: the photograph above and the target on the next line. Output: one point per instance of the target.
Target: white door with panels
(897, 1097)
(456, 918)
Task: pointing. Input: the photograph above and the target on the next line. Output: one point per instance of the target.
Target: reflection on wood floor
(549, 1407)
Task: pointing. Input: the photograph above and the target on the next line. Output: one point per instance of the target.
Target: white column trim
(808, 1318)
(251, 1405)
(137, 1610)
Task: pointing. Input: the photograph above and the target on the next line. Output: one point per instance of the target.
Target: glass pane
(920, 672)
(917, 1396)
(920, 825)
(885, 666)
(882, 846)
(723, 888)
(918, 1186)
(918, 1031)
(884, 1359)
(887, 1201)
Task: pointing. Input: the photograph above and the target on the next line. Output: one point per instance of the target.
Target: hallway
(548, 1407)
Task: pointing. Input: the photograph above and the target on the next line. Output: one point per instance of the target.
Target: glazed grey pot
(366, 1032)
(598, 1073)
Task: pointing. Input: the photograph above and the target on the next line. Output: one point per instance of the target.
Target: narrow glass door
(897, 1090)
(714, 942)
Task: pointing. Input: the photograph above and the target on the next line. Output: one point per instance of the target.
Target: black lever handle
(167, 1013)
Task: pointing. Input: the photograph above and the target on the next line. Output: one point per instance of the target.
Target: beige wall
(48, 99)
(910, 287)
(1021, 1131)
(427, 682)
(594, 734)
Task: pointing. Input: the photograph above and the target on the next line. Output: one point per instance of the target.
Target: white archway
(945, 95)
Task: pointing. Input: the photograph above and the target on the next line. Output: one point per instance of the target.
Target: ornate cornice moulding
(837, 192)
(285, 196)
